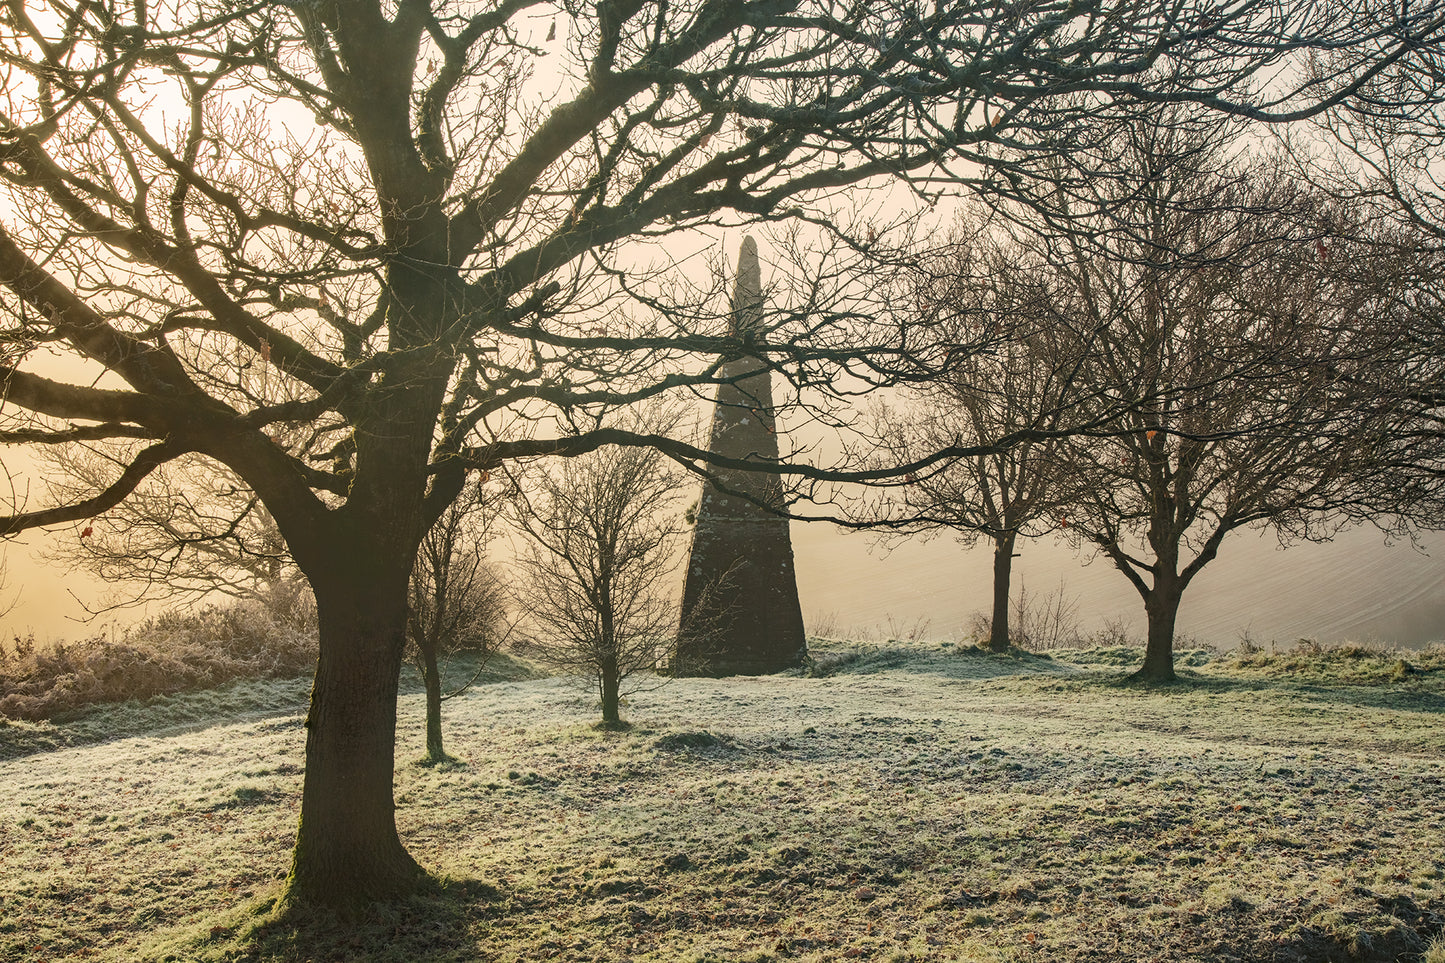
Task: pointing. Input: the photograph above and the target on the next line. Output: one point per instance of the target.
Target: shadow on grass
(439, 924)
(236, 701)
(481, 668)
(1399, 929)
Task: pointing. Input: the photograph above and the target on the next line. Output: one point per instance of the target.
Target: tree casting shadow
(437, 924)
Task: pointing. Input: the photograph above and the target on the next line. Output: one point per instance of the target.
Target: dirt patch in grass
(927, 805)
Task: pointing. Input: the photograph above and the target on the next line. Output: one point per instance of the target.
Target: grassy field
(904, 802)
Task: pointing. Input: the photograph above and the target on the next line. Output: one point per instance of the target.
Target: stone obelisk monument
(740, 613)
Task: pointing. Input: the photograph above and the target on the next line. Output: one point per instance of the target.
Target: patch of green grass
(438, 924)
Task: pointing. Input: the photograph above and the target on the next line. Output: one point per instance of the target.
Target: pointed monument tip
(747, 289)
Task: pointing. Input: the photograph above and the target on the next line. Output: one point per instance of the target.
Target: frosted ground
(907, 802)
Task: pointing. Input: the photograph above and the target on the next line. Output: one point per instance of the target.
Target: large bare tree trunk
(1003, 557)
(347, 848)
(347, 851)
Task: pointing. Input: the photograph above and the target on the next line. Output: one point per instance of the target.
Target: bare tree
(1381, 163)
(1212, 313)
(1008, 371)
(457, 602)
(599, 583)
(393, 230)
(193, 532)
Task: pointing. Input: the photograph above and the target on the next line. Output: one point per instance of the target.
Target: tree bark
(359, 562)
(432, 677)
(1162, 608)
(347, 850)
(1003, 557)
(611, 682)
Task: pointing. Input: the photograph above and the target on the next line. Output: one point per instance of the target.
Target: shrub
(176, 651)
(1040, 624)
(1347, 663)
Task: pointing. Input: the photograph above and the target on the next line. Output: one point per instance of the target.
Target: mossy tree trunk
(610, 679)
(1161, 606)
(347, 848)
(359, 560)
(609, 666)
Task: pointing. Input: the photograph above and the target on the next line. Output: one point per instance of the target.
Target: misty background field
(1355, 587)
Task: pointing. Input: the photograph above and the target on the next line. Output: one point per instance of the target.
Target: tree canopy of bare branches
(1209, 304)
(597, 582)
(192, 530)
(1382, 164)
(1011, 370)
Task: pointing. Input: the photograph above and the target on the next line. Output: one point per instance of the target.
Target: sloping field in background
(903, 803)
(1355, 588)
(1352, 589)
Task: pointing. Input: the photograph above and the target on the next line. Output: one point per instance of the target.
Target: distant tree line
(1202, 341)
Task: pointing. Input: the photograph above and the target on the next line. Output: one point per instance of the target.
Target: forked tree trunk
(347, 850)
(1003, 557)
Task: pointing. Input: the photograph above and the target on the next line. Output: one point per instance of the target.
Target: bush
(1037, 624)
(1346, 663)
(177, 651)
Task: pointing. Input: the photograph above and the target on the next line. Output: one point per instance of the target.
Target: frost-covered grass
(904, 801)
(251, 698)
